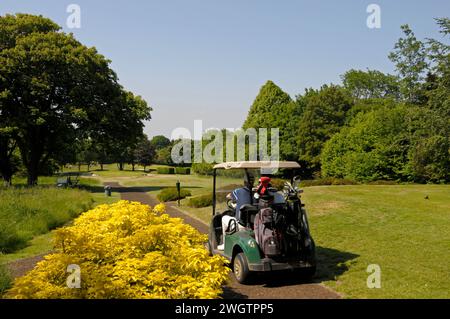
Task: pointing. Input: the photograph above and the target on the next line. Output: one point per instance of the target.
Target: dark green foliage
(327, 181)
(411, 62)
(159, 142)
(171, 194)
(371, 84)
(165, 170)
(274, 108)
(325, 112)
(278, 183)
(404, 143)
(206, 200)
(56, 91)
(144, 153)
(201, 201)
(164, 156)
(203, 169)
(183, 170)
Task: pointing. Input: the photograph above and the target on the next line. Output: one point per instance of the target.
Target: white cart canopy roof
(257, 165)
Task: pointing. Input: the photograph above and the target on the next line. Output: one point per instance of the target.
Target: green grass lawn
(395, 227)
(28, 214)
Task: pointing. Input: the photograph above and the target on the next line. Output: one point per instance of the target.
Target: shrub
(183, 170)
(5, 279)
(327, 181)
(278, 183)
(203, 169)
(201, 201)
(127, 250)
(381, 182)
(27, 212)
(165, 170)
(171, 194)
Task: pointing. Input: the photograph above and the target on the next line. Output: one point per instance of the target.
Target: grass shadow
(332, 263)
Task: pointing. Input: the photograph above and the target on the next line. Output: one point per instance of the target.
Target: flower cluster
(127, 250)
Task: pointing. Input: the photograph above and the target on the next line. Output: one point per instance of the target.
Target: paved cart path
(276, 287)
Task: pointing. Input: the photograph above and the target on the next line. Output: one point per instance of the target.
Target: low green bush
(165, 170)
(203, 169)
(381, 182)
(183, 170)
(327, 181)
(171, 194)
(5, 279)
(278, 183)
(201, 201)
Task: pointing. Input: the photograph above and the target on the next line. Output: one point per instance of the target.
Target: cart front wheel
(240, 268)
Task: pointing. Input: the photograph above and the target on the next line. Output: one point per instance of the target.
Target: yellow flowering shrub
(127, 250)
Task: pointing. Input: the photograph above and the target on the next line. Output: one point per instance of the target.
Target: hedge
(171, 194)
(183, 170)
(165, 170)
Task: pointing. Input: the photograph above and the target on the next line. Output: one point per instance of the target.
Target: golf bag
(266, 235)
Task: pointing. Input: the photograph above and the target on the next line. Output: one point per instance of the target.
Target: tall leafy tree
(371, 84)
(12, 28)
(411, 62)
(325, 112)
(274, 108)
(160, 141)
(144, 152)
(54, 90)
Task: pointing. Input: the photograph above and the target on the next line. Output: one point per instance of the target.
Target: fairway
(395, 227)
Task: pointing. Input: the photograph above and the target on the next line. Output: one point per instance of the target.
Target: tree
(410, 58)
(54, 90)
(274, 108)
(371, 84)
(439, 96)
(325, 112)
(12, 27)
(164, 155)
(86, 153)
(159, 141)
(8, 158)
(405, 143)
(144, 152)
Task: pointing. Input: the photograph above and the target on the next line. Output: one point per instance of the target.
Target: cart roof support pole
(214, 192)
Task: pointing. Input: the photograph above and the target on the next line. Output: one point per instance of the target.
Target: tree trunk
(132, 166)
(7, 180)
(120, 166)
(88, 167)
(32, 176)
(6, 165)
(101, 166)
(79, 167)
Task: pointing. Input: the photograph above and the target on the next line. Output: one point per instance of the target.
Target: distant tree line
(142, 151)
(374, 125)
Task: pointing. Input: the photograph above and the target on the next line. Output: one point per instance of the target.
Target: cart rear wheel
(240, 268)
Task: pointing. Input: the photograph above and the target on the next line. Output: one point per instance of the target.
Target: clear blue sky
(193, 59)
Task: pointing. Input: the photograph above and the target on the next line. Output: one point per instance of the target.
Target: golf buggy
(270, 232)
